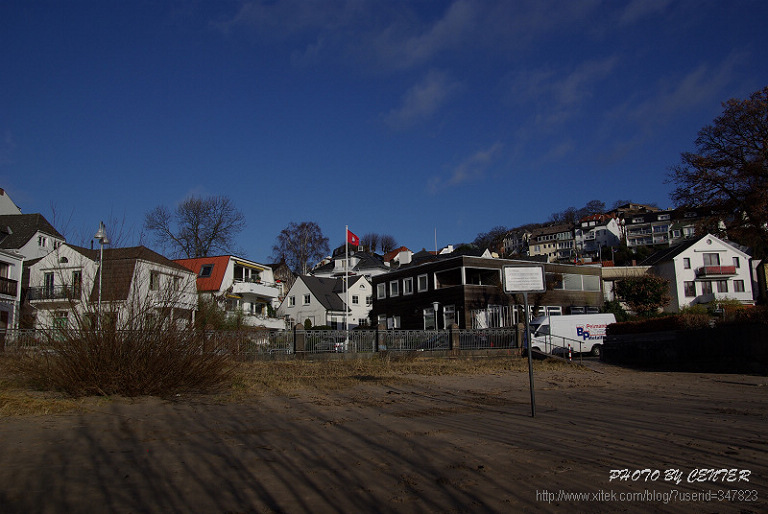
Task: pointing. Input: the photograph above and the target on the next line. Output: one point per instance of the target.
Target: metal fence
(263, 343)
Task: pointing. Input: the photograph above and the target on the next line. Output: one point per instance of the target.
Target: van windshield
(540, 330)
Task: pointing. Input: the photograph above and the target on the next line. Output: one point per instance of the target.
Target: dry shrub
(160, 361)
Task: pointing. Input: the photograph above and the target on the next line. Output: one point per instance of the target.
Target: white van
(584, 333)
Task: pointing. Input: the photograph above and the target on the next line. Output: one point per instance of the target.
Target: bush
(160, 361)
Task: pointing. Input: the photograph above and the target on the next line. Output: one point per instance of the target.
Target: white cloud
(471, 169)
(423, 100)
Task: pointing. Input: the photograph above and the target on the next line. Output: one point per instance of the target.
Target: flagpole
(346, 279)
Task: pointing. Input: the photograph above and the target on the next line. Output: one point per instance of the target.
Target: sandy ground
(432, 444)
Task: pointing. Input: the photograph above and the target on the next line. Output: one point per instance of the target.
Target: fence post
(519, 329)
(381, 335)
(455, 343)
(299, 339)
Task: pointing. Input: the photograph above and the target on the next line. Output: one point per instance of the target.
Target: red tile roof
(212, 283)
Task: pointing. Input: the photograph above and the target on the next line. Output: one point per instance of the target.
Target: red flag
(352, 238)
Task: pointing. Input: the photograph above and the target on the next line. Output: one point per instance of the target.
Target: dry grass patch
(292, 376)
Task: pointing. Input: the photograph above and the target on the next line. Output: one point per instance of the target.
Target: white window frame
(381, 291)
(419, 287)
(407, 286)
(394, 288)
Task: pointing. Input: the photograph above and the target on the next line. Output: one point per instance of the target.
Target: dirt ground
(431, 444)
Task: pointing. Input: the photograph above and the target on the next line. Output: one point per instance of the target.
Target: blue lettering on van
(583, 334)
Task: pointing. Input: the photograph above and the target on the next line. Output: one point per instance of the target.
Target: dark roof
(119, 267)
(668, 254)
(326, 290)
(17, 229)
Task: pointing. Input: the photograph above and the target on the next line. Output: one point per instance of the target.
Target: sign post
(526, 279)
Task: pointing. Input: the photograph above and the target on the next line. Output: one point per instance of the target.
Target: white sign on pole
(524, 279)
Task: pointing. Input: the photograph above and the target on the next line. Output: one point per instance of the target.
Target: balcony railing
(714, 271)
(8, 287)
(54, 293)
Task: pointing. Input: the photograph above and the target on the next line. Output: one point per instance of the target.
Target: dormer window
(206, 270)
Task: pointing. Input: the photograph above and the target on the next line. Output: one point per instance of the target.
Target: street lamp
(435, 307)
(101, 235)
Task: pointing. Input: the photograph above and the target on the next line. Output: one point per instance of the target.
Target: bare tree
(370, 241)
(299, 244)
(387, 243)
(198, 227)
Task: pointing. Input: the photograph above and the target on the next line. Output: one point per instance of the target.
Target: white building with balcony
(11, 267)
(704, 270)
(593, 233)
(240, 286)
(130, 287)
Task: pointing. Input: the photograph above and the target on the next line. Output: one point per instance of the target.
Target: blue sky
(399, 118)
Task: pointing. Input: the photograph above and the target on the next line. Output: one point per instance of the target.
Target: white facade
(7, 206)
(707, 271)
(138, 286)
(11, 267)
(322, 301)
(597, 232)
(241, 286)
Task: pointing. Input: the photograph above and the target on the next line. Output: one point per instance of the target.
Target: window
(355, 299)
(381, 319)
(369, 300)
(292, 301)
(690, 289)
(42, 241)
(394, 288)
(686, 263)
(381, 291)
(738, 286)
(711, 259)
(176, 283)
(48, 285)
(206, 270)
(722, 286)
(736, 263)
(154, 280)
(663, 217)
(706, 287)
(422, 283)
(408, 285)
(77, 282)
(449, 315)
(306, 299)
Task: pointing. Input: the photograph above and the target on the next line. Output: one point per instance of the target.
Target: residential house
(356, 263)
(704, 270)
(323, 301)
(594, 233)
(555, 242)
(29, 234)
(397, 257)
(467, 291)
(516, 242)
(240, 286)
(11, 268)
(135, 287)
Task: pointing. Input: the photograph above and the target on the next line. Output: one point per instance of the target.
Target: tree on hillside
(198, 227)
(300, 244)
(492, 240)
(729, 170)
(644, 294)
(573, 215)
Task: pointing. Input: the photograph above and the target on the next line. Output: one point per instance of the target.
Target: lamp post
(101, 235)
(435, 308)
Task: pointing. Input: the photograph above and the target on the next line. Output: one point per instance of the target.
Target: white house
(596, 232)
(137, 287)
(239, 286)
(11, 266)
(29, 234)
(704, 270)
(322, 301)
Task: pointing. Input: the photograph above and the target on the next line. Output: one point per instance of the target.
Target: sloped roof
(17, 229)
(118, 268)
(212, 283)
(326, 290)
(391, 255)
(667, 254)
